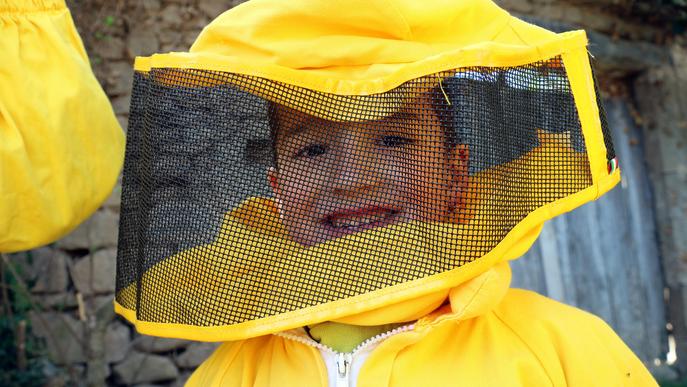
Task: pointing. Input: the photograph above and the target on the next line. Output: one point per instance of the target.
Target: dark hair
(272, 123)
(439, 103)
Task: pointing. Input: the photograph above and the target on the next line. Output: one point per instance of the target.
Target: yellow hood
(360, 40)
(247, 279)
(362, 47)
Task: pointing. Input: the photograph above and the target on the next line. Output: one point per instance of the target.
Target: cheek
(430, 185)
(299, 191)
(397, 176)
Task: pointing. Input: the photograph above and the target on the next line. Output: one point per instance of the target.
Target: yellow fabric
(489, 336)
(61, 147)
(299, 44)
(363, 47)
(354, 47)
(345, 337)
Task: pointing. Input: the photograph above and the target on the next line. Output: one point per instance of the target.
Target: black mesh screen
(245, 198)
(605, 129)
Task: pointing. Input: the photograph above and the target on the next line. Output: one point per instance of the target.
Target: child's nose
(357, 167)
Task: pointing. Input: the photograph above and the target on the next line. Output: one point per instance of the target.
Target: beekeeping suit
(364, 164)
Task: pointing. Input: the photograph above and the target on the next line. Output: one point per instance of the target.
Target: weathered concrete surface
(613, 57)
(661, 96)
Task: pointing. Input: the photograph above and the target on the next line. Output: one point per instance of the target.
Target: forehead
(286, 122)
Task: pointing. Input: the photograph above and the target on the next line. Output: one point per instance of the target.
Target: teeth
(356, 221)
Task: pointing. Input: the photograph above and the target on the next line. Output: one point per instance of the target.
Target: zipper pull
(343, 369)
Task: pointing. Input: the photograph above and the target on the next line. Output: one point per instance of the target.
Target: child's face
(339, 178)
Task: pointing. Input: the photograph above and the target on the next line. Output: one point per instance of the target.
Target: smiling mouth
(356, 221)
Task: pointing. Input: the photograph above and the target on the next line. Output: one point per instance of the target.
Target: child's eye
(395, 141)
(312, 151)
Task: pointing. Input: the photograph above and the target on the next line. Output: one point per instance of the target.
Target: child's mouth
(361, 219)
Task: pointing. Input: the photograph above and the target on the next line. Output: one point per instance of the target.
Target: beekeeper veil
(308, 161)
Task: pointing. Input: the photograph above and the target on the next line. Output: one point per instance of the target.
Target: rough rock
(158, 344)
(142, 41)
(110, 48)
(171, 15)
(54, 376)
(190, 37)
(28, 262)
(123, 123)
(77, 371)
(524, 6)
(195, 354)
(103, 372)
(151, 5)
(214, 8)
(170, 37)
(94, 273)
(120, 78)
(145, 368)
(117, 342)
(63, 335)
(59, 380)
(100, 230)
(95, 303)
(50, 269)
(181, 380)
(121, 104)
(57, 301)
(23, 262)
(114, 201)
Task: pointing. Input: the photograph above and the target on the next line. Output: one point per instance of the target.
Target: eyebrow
(299, 125)
(402, 115)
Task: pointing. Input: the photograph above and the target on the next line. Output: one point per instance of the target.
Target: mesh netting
(605, 129)
(245, 198)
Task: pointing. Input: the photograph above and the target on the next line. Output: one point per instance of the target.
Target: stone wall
(73, 279)
(71, 282)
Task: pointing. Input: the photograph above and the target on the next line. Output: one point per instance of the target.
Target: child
(355, 176)
(414, 157)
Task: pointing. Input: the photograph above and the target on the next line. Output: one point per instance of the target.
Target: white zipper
(342, 370)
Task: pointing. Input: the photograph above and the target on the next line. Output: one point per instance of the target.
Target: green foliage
(109, 20)
(10, 374)
(19, 305)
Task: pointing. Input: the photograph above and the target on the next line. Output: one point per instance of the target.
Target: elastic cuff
(29, 6)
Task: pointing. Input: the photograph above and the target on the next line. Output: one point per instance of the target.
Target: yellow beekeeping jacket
(469, 328)
(488, 335)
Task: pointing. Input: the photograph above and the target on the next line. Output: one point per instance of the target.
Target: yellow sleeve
(575, 348)
(61, 147)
